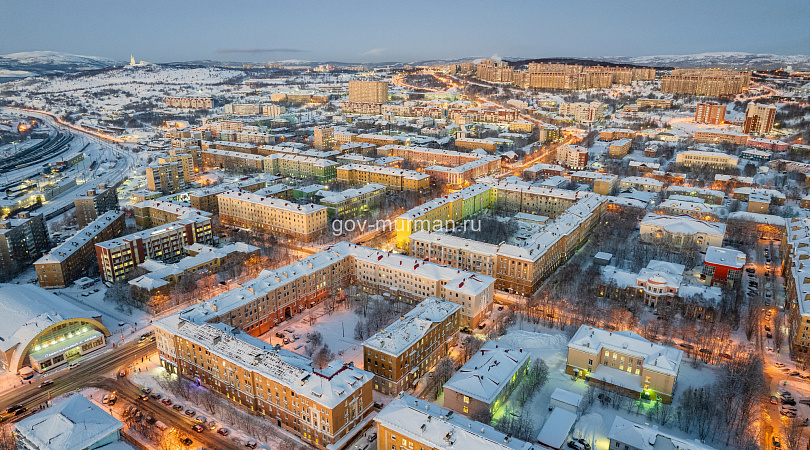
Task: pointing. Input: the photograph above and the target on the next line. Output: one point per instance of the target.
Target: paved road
(89, 373)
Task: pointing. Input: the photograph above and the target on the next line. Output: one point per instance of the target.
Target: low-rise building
(404, 351)
(697, 158)
(681, 232)
(645, 184)
(485, 382)
(723, 266)
(352, 201)
(625, 361)
(619, 148)
(627, 435)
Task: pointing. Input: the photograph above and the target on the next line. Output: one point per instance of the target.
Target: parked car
(767, 328)
(212, 425)
(371, 436)
(73, 365)
(20, 411)
(776, 442)
(575, 445)
(156, 395)
(186, 441)
(190, 412)
(177, 407)
(201, 419)
(790, 401)
(774, 400)
(769, 336)
(122, 373)
(251, 444)
(223, 431)
(105, 400)
(198, 428)
(147, 390)
(166, 402)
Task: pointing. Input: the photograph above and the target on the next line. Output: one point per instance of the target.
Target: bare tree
(792, 433)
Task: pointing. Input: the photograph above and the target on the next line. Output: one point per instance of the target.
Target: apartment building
(611, 134)
(688, 207)
(94, 203)
(232, 161)
(299, 166)
(681, 232)
(705, 82)
(603, 183)
(404, 351)
(572, 156)
(350, 202)
(319, 405)
(465, 173)
(167, 178)
(699, 158)
(768, 144)
(646, 370)
(368, 91)
(119, 256)
(720, 136)
(153, 213)
(322, 138)
(391, 178)
(381, 139)
(796, 271)
(186, 160)
(759, 118)
(541, 170)
(619, 149)
(711, 113)
(71, 259)
(410, 423)
(271, 215)
(22, 239)
(201, 258)
(582, 112)
(190, 102)
(473, 144)
(486, 380)
(641, 184)
(654, 103)
(205, 199)
(365, 108)
(428, 156)
(518, 269)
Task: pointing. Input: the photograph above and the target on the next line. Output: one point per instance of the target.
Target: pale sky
(383, 30)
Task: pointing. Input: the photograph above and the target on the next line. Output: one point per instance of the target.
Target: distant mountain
(738, 60)
(27, 64)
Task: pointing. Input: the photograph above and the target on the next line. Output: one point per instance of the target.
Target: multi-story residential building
(22, 240)
(428, 156)
(401, 353)
(572, 156)
(465, 173)
(688, 206)
(645, 369)
(410, 423)
(641, 184)
(744, 194)
(711, 113)
(723, 266)
(627, 435)
(94, 203)
(521, 126)
(153, 213)
(391, 178)
(654, 103)
(768, 144)
(581, 112)
(202, 258)
(271, 215)
(190, 102)
(518, 269)
(603, 183)
(681, 232)
(71, 259)
(697, 158)
(619, 148)
(473, 144)
(119, 256)
(232, 161)
(542, 170)
(319, 405)
(205, 199)
(611, 134)
(708, 195)
(368, 91)
(720, 136)
(323, 138)
(796, 271)
(167, 178)
(705, 82)
(299, 166)
(381, 139)
(186, 160)
(350, 202)
(365, 108)
(485, 382)
(759, 118)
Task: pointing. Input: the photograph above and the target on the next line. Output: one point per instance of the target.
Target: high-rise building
(94, 203)
(368, 91)
(167, 178)
(186, 160)
(22, 240)
(759, 118)
(712, 113)
(572, 156)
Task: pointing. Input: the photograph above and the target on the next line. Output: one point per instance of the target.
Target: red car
(166, 402)
(198, 428)
(223, 431)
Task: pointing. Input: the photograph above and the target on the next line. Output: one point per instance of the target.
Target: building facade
(94, 203)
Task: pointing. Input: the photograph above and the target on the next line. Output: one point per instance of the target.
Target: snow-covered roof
(413, 326)
(657, 358)
(329, 386)
(725, 257)
(694, 191)
(643, 437)
(443, 429)
(684, 224)
(556, 428)
(28, 310)
(284, 205)
(74, 423)
(82, 237)
(567, 397)
(772, 193)
(487, 372)
(642, 181)
(405, 173)
(180, 211)
(682, 206)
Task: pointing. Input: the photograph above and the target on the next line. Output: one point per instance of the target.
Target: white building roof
(82, 237)
(657, 358)
(556, 428)
(413, 326)
(684, 224)
(486, 373)
(72, 424)
(644, 437)
(443, 429)
(272, 202)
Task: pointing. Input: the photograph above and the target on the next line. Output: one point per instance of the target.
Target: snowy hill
(717, 59)
(25, 64)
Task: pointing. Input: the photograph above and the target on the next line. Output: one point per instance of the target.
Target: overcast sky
(385, 30)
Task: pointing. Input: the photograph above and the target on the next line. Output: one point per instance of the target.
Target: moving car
(198, 428)
(46, 383)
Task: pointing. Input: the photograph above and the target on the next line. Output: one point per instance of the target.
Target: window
(466, 409)
(466, 399)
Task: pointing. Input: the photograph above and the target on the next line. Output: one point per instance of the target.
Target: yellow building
(625, 361)
(391, 178)
(368, 91)
(271, 215)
